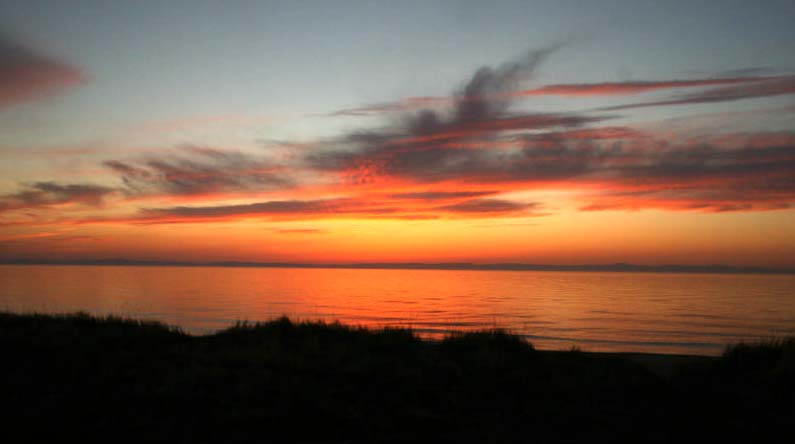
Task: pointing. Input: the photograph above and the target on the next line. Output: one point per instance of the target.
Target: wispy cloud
(742, 172)
(362, 207)
(632, 87)
(48, 238)
(441, 195)
(26, 74)
(197, 170)
(43, 194)
(488, 206)
(561, 89)
(285, 209)
(765, 87)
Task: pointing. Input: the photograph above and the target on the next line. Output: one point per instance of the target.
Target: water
(641, 312)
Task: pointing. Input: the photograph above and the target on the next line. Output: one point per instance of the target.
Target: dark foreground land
(114, 380)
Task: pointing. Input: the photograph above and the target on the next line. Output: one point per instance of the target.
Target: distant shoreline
(618, 267)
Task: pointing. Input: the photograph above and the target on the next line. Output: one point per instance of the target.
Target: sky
(548, 132)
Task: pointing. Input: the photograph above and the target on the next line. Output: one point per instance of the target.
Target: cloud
(197, 170)
(425, 146)
(488, 206)
(459, 161)
(764, 87)
(479, 142)
(407, 104)
(486, 94)
(731, 172)
(49, 238)
(43, 194)
(273, 209)
(28, 75)
(747, 172)
(629, 88)
(441, 195)
(586, 134)
(482, 97)
(436, 159)
(359, 208)
(561, 89)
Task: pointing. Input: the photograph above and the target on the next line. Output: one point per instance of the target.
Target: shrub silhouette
(77, 376)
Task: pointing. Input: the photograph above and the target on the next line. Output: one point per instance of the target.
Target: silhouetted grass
(119, 380)
(749, 392)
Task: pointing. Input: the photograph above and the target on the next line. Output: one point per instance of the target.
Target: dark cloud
(327, 207)
(483, 97)
(705, 177)
(330, 208)
(26, 75)
(441, 195)
(726, 173)
(42, 194)
(415, 147)
(50, 238)
(748, 72)
(428, 148)
(486, 94)
(488, 206)
(199, 170)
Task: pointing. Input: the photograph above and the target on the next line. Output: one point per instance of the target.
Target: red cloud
(765, 87)
(628, 88)
(26, 75)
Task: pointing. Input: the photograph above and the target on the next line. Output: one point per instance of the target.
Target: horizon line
(499, 266)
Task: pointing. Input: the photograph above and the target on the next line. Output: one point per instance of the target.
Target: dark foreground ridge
(115, 380)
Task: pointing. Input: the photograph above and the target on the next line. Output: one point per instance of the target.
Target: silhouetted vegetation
(119, 380)
(749, 392)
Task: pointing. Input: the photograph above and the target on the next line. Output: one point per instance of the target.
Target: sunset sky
(549, 132)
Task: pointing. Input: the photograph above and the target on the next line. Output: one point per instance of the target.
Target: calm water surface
(648, 312)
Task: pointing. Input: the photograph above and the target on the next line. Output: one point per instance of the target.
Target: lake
(683, 313)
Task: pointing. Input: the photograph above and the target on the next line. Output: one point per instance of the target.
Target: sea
(676, 313)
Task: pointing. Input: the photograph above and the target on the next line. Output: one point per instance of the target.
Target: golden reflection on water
(650, 312)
